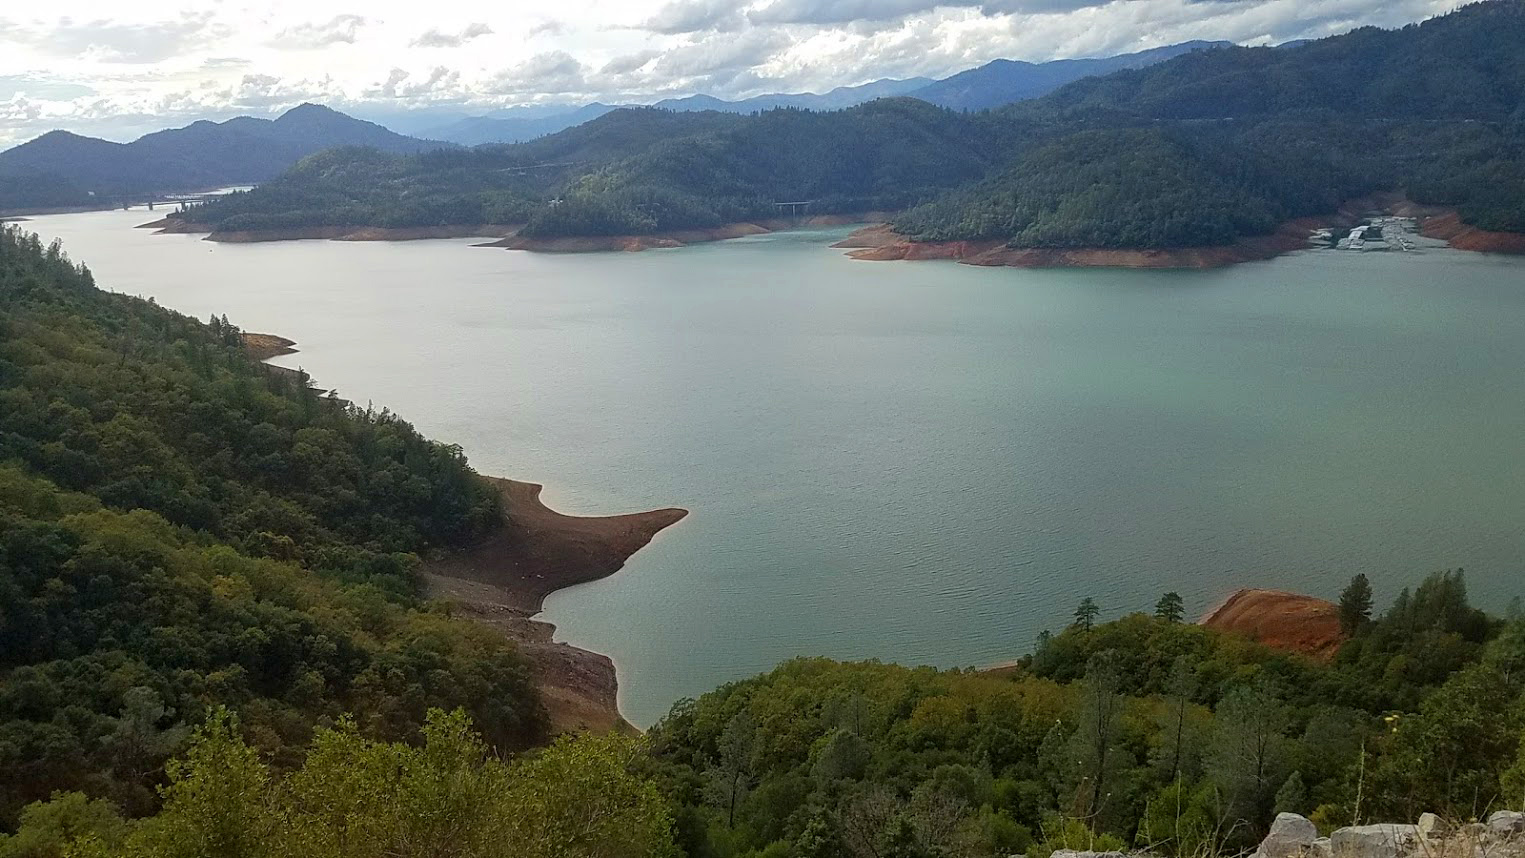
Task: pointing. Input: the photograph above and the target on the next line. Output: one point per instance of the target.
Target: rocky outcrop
(1293, 836)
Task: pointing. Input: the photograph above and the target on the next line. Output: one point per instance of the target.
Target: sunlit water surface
(918, 462)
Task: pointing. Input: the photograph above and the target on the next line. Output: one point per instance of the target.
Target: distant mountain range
(1003, 82)
(72, 169)
(64, 169)
(993, 84)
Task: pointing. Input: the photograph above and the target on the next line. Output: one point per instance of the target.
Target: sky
(118, 70)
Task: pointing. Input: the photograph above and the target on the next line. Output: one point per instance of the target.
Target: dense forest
(180, 528)
(1202, 149)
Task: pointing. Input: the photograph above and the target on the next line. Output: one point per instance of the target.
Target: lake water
(918, 462)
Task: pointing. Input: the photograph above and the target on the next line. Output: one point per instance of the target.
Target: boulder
(1374, 841)
(1432, 827)
(1073, 853)
(1320, 848)
(1506, 823)
(1291, 835)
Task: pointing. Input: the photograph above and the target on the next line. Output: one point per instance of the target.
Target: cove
(919, 462)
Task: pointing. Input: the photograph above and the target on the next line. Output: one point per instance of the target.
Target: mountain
(991, 85)
(1001, 82)
(200, 155)
(514, 126)
(836, 99)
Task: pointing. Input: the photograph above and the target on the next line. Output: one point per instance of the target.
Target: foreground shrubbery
(358, 798)
(1143, 732)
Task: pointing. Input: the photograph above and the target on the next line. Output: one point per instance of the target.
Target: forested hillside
(181, 529)
(1239, 140)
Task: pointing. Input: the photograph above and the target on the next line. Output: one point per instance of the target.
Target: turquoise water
(918, 462)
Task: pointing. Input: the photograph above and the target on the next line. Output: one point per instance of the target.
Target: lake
(925, 463)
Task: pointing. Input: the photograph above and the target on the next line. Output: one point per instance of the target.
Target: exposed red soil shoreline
(503, 581)
(507, 234)
(263, 347)
(676, 238)
(177, 226)
(1280, 620)
(1449, 227)
(880, 242)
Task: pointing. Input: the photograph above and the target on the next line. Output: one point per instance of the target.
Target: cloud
(442, 84)
(310, 35)
(695, 16)
(549, 73)
(630, 62)
(548, 28)
(40, 88)
(110, 41)
(435, 38)
(722, 53)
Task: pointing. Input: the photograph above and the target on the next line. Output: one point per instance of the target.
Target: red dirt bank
(881, 242)
(1281, 620)
(502, 581)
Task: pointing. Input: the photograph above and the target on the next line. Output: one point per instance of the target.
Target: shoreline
(502, 581)
(506, 236)
(175, 226)
(880, 242)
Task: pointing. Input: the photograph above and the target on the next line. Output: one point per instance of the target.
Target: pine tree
(1355, 605)
(1170, 608)
(1086, 613)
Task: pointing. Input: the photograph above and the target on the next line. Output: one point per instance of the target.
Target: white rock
(1290, 835)
(1374, 841)
(1432, 827)
(1506, 823)
(1320, 848)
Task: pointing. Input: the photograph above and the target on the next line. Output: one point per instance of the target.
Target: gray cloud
(110, 41)
(439, 39)
(550, 73)
(442, 84)
(310, 35)
(695, 16)
(729, 53)
(630, 62)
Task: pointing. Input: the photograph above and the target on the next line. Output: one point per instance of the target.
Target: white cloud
(436, 38)
(309, 35)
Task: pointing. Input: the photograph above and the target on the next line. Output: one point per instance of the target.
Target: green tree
(1292, 797)
(731, 776)
(1247, 755)
(1355, 605)
(218, 802)
(1096, 751)
(52, 828)
(1179, 749)
(1086, 613)
(1170, 608)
